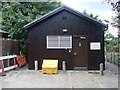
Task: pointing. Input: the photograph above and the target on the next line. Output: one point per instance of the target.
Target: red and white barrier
(2, 59)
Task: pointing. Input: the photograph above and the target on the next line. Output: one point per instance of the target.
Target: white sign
(95, 46)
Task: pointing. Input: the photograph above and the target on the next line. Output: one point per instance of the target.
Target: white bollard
(20, 53)
(36, 65)
(64, 66)
(101, 69)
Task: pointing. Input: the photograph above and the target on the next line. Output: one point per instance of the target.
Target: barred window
(59, 42)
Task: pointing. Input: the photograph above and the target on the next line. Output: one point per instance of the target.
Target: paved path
(110, 66)
(71, 79)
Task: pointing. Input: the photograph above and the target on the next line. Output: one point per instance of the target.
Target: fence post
(114, 58)
(111, 57)
(20, 53)
(15, 62)
(8, 59)
(3, 72)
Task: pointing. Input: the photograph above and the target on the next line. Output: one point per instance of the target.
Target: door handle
(75, 53)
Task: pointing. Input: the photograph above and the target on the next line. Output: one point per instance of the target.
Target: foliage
(111, 43)
(16, 14)
(93, 16)
(114, 3)
(115, 23)
(115, 20)
(0, 15)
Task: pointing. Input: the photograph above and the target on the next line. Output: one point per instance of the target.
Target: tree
(116, 20)
(111, 43)
(16, 14)
(116, 9)
(93, 16)
(0, 15)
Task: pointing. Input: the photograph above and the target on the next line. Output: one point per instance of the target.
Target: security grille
(59, 42)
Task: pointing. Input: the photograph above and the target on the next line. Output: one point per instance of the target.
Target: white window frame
(95, 46)
(59, 43)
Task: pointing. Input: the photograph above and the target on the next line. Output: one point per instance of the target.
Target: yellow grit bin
(50, 66)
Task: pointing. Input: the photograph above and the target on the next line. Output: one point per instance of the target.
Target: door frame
(78, 36)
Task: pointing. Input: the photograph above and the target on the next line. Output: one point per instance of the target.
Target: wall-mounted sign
(65, 30)
(79, 44)
(83, 37)
(95, 46)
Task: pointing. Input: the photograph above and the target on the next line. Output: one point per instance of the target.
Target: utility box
(50, 66)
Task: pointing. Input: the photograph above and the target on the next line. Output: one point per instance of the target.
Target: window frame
(95, 45)
(59, 42)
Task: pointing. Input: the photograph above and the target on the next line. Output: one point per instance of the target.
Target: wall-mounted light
(82, 37)
(65, 30)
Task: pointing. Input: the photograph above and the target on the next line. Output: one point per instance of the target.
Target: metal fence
(113, 57)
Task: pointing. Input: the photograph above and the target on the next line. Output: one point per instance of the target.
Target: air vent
(64, 18)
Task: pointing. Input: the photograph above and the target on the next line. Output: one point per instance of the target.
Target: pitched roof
(1, 31)
(64, 7)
